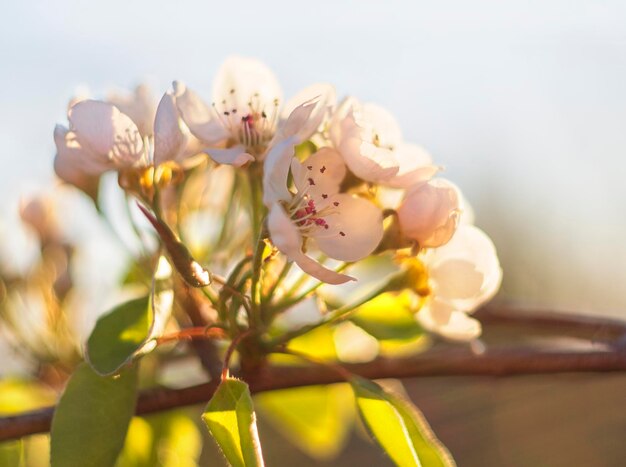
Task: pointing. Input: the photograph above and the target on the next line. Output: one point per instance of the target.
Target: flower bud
(39, 214)
(429, 213)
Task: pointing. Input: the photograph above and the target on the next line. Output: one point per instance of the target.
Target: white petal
(295, 124)
(284, 234)
(414, 166)
(69, 167)
(201, 119)
(169, 140)
(459, 327)
(105, 131)
(437, 311)
(378, 121)
(315, 269)
(335, 129)
(429, 213)
(236, 156)
(140, 106)
(72, 156)
(321, 173)
(276, 172)
(241, 81)
(324, 99)
(354, 231)
(456, 279)
(366, 160)
(286, 237)
(471, 245)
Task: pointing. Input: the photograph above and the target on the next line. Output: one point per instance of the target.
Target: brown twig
(452, 362)
(455, 361)
(200, 314)
(229, 352)
(187, 334)
(595, 329)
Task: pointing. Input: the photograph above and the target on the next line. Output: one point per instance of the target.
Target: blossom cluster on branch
(262, 228)
(338, 181)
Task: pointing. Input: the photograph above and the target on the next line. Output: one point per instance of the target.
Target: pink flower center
(253, 126)
(307, 216)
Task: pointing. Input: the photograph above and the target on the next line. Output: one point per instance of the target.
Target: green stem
(255, 180)
(258, 211)
(290, 301)
(210, 294)
(257, 263)
(340, 314)
(228, 216)
(281, 276)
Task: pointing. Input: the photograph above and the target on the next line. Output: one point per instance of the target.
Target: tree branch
(595, 329)
(198, 309)
(455, 361)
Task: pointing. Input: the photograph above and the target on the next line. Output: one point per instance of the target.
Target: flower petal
(236, 156)
(140, 106)
(315, 269)
(414, 166)
(106, 132)
(429, 213)
(380, 124)
(459, 327)
(456, 279)
(470, 245)
(69, 167)
(276, 172)
(324, 97)
(284, 234)
(320, 174)
(294, 124)
(242, 81)
(169, 139)
(286, 237)
(199, 117)
(366, 160)
(354, 231)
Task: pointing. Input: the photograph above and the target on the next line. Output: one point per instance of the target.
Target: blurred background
(524, 102)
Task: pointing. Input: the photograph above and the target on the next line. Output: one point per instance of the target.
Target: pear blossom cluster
(330, 183)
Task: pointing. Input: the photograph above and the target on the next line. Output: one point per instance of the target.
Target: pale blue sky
(523, 101)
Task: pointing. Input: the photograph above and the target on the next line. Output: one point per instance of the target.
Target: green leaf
(129, 330)
(118, 335)
(92, 417)
(230, 418)
(399, 427)
(316, 419)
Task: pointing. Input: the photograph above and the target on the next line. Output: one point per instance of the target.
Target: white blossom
(343, 226)
(463, 274)
(246, 115)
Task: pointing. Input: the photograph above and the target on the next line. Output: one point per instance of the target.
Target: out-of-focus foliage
(21, 396)
(168, 440)
(317, 419)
